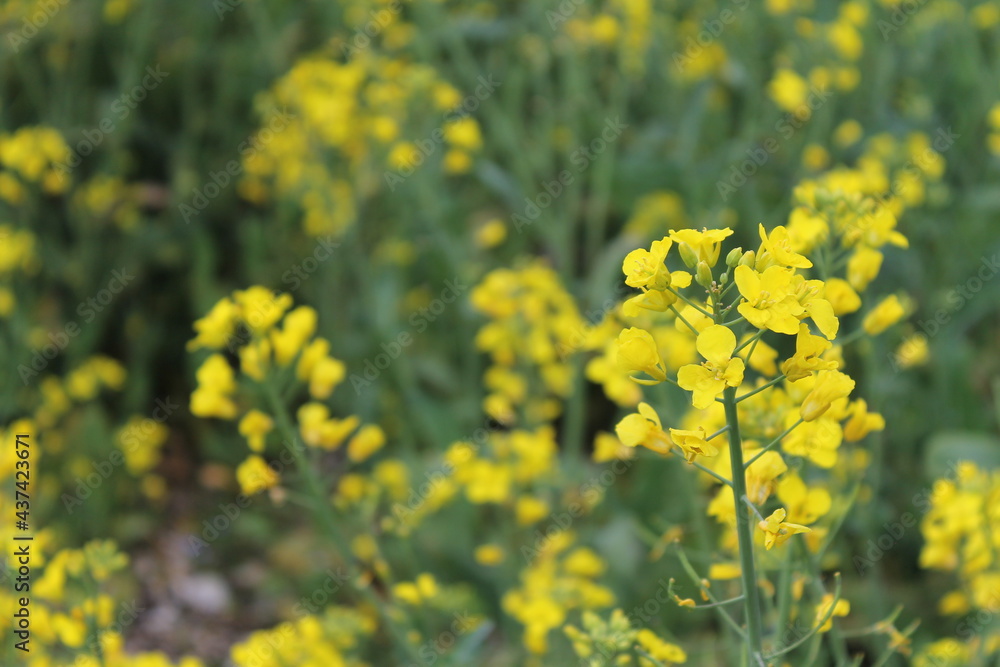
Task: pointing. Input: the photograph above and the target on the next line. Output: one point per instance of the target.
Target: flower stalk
(744, 533)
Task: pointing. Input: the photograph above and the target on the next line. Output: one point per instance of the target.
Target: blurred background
(379, 160)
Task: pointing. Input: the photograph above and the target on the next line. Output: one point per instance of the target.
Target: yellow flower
(808, 293)
(777, 531)
(817, 441)
(368, 440)
(607, 447)
(463, 133)
(643, 428)
(489, 554)
(637, 353)
(216, 327)
(768, 304)
(861, 422)
(776, 249)
(254, 475)
(318, 430)
(260, 308)
(863, 267)
(298, 327)
(830, 385)
(700, 246)
(326, 375)
(488, 482)
(529, 510)
(809, 350)
(491, 234)
(841, 296)
(762, 473)
(216, 381)
(659, 649)
(646, 269)
(693, 443)
(789, 91)
(842, 608)
(806, 505)
(313, 353)
(889, 311)
(762, 356)
(707, 380)
(255, 359)
(255, 426)
(913, 351)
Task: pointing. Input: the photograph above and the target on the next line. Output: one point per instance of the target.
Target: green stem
(684, 320)
(696, 580)
(761, 388)
(691, 303)
(323, 518)
(744, 533)
(753, 339)
(773, 443)
(704, 469)
(785, 591)
(820, 624)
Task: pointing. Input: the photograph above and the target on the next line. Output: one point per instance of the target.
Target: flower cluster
(279, 353)
(73, 619)
(338, 132)
(31, 157)
(534, 328)
(767, 432)
(962, 533)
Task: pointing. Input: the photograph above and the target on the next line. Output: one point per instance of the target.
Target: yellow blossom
(768, 303)
(693, 443)
(637, 353)
(707, 380)
(830, 385)
(644, 428)
(255, 426)
(889, 311)
(777, 531)
(254, 475)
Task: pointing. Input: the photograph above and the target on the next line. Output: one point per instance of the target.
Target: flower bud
(704, 275)
(733, 258)
(749, 258)
(689, 256)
